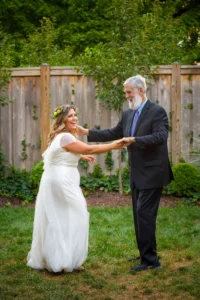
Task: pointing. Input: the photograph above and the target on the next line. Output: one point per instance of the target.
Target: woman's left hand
(91, 159)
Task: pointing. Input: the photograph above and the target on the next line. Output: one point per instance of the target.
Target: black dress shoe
(143, 267)
(134, 258)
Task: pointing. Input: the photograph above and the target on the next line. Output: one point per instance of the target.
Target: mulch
(98, 198)
(112, 199)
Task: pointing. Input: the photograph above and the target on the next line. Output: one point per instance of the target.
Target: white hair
(136, 82)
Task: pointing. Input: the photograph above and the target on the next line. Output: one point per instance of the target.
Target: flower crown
(61, 110)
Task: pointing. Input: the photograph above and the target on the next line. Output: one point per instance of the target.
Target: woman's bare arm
(82, 148)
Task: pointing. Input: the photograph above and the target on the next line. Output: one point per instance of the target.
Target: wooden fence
(36, 92)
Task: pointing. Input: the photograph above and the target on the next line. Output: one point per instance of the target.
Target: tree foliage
(41, 47)
(139, 41)
(6, 61)
(80, 23)
(109, 39)
(86, 23)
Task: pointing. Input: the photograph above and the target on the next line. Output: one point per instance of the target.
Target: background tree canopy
(160, 31)
(106, 38)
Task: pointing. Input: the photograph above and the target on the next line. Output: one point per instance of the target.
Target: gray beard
(136, 103)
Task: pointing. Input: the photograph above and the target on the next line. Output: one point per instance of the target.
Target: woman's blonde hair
(59, 115)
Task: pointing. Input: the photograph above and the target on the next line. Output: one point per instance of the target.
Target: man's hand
(81, 130)
(128, 141)
(124, 142)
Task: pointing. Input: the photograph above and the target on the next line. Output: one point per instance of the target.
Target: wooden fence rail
(24, 125)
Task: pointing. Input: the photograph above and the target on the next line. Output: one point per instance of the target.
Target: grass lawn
(111, 242)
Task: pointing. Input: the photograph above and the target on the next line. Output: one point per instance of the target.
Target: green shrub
(97, 172)
(16, 184)
(35, 177)
(13, 181)
(109, 183)
(97, 180)
(186, 181)
(106, 183)
(89, 183)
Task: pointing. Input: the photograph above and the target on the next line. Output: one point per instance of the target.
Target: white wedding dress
(61, 222)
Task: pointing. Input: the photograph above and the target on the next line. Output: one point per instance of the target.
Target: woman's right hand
(118, 144)
(128, 140)
(122, 143)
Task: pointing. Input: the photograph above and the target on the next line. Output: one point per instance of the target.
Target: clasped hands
(124, 142)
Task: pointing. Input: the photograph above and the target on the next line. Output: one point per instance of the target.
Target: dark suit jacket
(148, 156)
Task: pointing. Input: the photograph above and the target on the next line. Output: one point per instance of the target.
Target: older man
(150, 169)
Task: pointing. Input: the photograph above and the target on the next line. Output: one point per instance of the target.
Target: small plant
(97, 172)
(73, 90)
(39, 142)
(109, 162)
(84, 164)
(123, 154)
(24, 145)
(126, 179)
(190, 135)
(188, 91)
(8, 204)
(35, 117)
(181, 160)
(189, 200)
(35, 177)
(189, 106)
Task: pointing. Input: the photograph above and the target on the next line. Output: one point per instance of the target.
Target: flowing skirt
(61, 222)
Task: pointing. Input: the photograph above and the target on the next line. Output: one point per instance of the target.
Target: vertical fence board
(18, 121)
(186, 117)
(195, 79)
(164, 94)
(32, 120)
(9, 126)
(6, 127)
(176, 113)
(45, 104)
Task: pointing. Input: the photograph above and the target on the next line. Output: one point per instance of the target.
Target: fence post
(45, 104)
(176, 112)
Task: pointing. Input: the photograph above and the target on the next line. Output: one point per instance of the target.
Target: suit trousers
(145, 207)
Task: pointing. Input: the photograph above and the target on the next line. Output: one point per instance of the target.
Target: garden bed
(98, 198)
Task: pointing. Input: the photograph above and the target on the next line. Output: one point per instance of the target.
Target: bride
(61, 221)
